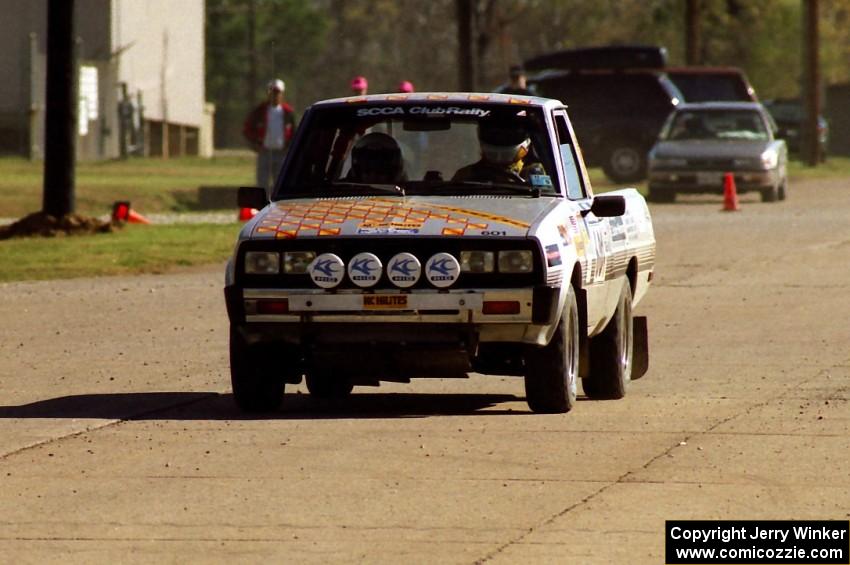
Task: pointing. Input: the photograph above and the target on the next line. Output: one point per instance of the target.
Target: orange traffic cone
(135, 218)
(730, 194)
(246, 214)
(122, 212)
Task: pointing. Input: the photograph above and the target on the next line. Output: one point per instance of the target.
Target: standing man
(518, 83)
(268, 128)
(359, 86)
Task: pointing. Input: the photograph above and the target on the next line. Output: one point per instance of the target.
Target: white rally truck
(434, 235)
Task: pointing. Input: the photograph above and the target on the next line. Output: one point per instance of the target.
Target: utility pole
(466, 64)
(692, 38)
(60, 121)
(811, 83)
(253, 73)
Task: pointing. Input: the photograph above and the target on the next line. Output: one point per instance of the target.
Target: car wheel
(660, 195)
(551, 376)
(783, 189)
(625, 162)
(770, 194)
(326, 385)
(256, 385)
(611, 353)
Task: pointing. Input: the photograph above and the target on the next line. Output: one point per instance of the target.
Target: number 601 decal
(494, 233)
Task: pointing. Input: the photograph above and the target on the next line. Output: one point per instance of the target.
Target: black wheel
(324, 385)
(552, 371)
(257, 386)
(770, 194)
(611, 353)
(783, 189)
(660, 195)
(625, 161)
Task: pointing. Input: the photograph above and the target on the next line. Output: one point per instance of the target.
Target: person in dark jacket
(518, 84)
(269, 128)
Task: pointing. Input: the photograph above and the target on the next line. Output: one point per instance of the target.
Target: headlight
(669, 163)
(515, 262)
(476, 261)
(296, 262)
(770, 159)
(262, 263)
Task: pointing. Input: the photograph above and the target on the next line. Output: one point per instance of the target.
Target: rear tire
(783, 189)
(255, 384)
(551, 377)
(612, 352)
(625, 161)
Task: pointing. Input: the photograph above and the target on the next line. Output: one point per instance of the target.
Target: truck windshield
(419, 148)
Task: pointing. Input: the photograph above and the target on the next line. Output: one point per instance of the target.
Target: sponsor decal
(442, 270)
(540, 180)
(618, 232)
(429, 111)
(553, 255)
(364, 270)
(391, 228)
(326, 270)
(404, 270)
(384, 301)
(564, 232)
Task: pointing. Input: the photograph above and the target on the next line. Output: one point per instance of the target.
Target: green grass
(152, 185)
(134, 249)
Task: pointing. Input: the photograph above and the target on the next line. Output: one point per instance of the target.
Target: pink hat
(405, 86)
(359, 82)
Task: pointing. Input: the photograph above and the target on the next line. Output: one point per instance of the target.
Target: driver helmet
(503, 144)
(376, 158)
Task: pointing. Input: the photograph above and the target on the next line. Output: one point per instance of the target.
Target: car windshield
(716, 124)
(421, 148)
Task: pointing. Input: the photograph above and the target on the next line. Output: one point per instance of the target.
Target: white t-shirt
(274, 128)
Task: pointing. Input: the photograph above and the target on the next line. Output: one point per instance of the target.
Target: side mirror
(251, 197)
(608, 206)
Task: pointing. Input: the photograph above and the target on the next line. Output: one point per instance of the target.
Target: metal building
(141, 78)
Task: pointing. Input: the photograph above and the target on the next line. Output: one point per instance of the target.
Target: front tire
(255, 384)
(770, 194)
(612, 352)
(551, 377)
(783, 189)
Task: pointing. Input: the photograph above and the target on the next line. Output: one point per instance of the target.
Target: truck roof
(460, 98)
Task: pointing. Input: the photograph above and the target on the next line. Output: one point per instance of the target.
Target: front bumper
(304, 315)
(707, 181)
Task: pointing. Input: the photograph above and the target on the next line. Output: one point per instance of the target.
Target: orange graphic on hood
(326, 217)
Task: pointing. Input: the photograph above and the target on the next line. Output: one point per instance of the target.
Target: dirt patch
(40, 224)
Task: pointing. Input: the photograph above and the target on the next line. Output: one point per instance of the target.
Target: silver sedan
(700, 143)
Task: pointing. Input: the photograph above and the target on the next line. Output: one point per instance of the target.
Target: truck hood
(399, 216)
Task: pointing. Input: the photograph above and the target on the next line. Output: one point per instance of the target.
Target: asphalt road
(119, 441)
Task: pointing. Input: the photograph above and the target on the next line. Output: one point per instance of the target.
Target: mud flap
(640, 357)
